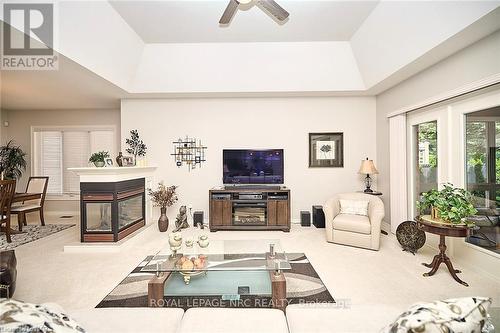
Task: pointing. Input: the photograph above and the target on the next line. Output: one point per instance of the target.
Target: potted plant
(136, 145)
(450, 205)
(163, 197)
(99, 158)
(12, 161)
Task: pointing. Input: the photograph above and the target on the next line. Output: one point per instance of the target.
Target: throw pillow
(354, 207)
(17, 316)
(468, 314)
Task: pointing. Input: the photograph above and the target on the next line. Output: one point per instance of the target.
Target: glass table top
(220, 255)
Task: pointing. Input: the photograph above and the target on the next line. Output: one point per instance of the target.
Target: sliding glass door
(426, 137)
(482, 167)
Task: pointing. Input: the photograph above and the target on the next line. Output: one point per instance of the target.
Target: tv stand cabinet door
(282, 213)
(221, 213)
(271, 212)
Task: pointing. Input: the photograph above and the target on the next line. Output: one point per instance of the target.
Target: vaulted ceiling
(175, 48)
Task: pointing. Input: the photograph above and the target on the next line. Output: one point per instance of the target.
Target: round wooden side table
(443, 230)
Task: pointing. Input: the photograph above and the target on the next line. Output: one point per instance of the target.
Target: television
(247, 166)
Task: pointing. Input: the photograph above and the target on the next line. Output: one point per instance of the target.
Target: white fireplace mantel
(112, 174)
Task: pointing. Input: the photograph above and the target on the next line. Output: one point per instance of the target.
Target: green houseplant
(451, 204)
(12, 161)
(99, 158)
(163, 197)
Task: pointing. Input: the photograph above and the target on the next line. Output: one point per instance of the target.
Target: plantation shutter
(48, 148)
(75, 155)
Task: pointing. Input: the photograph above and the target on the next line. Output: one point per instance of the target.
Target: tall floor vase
(163, 220)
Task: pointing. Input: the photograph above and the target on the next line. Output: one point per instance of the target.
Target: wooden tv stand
(256, 208)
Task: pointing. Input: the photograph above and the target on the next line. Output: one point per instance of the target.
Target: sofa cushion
(352, 223)
(215, 320)
(19, 316)
(465, 315)
(342, 318)
(133, 320)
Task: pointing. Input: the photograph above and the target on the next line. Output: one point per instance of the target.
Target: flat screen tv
(245, 166)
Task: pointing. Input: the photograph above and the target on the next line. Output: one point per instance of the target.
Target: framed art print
(326, 150)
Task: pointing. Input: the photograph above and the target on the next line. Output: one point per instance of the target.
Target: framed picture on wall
(326, 150)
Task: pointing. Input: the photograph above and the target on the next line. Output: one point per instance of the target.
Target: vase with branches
(136, 146)
(163, 197)
(12, 161)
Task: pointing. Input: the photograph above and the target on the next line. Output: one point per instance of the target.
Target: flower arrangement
(163, 196)
(450, 204)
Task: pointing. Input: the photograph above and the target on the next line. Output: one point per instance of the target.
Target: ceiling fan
(270, 5)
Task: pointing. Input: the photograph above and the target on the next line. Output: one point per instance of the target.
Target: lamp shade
(367, 167)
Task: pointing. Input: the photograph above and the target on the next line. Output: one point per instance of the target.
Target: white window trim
(65, 196)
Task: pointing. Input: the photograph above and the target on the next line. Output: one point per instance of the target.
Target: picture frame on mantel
(326, 150)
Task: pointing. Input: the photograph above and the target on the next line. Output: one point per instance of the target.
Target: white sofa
(129, 320)
(354, 230)
(330, 318)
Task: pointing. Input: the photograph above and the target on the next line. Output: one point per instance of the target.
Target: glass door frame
(440, 116)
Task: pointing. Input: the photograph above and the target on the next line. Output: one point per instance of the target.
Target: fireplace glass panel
(129, 211)
(98, 216)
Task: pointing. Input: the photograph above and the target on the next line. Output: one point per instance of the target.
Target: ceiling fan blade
(274, 9)
(229, 12)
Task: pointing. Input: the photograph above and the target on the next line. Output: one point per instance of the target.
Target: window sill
(63, 197)
(483, 250)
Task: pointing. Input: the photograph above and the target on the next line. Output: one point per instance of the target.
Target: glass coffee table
(228, 268)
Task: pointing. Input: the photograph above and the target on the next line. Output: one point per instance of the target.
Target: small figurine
(119, 159)
(181, 219)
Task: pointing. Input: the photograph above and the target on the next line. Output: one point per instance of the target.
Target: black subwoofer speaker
(305, 218)
(198, 218)
(318, 216)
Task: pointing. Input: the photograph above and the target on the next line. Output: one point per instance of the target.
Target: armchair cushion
(24, 207)
(353, 223)
(354, 207)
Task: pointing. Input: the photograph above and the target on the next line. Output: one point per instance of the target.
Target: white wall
(247, 67)
(255, 123)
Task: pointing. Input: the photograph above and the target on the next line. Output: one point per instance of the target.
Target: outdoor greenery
(99, 157)
(12, 160)
(452, 204)
(427, 132)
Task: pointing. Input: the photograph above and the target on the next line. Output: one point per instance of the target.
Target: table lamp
(368, 168)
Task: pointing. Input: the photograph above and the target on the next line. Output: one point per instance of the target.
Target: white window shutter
(49, 162)
(76, 154)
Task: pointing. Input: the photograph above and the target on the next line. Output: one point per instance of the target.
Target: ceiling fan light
(244, 2)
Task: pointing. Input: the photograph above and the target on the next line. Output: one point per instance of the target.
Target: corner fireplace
(111, 211)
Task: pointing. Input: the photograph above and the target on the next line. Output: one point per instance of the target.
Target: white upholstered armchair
(355, 230)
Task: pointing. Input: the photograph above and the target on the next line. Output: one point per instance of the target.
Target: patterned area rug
(33, 232)
(303, 286)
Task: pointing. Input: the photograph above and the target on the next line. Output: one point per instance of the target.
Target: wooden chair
(35, 185)
(7, 190)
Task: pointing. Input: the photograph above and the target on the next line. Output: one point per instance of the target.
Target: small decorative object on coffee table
(410, 236)
(181, 220)
(175, 242)
(163, 197)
